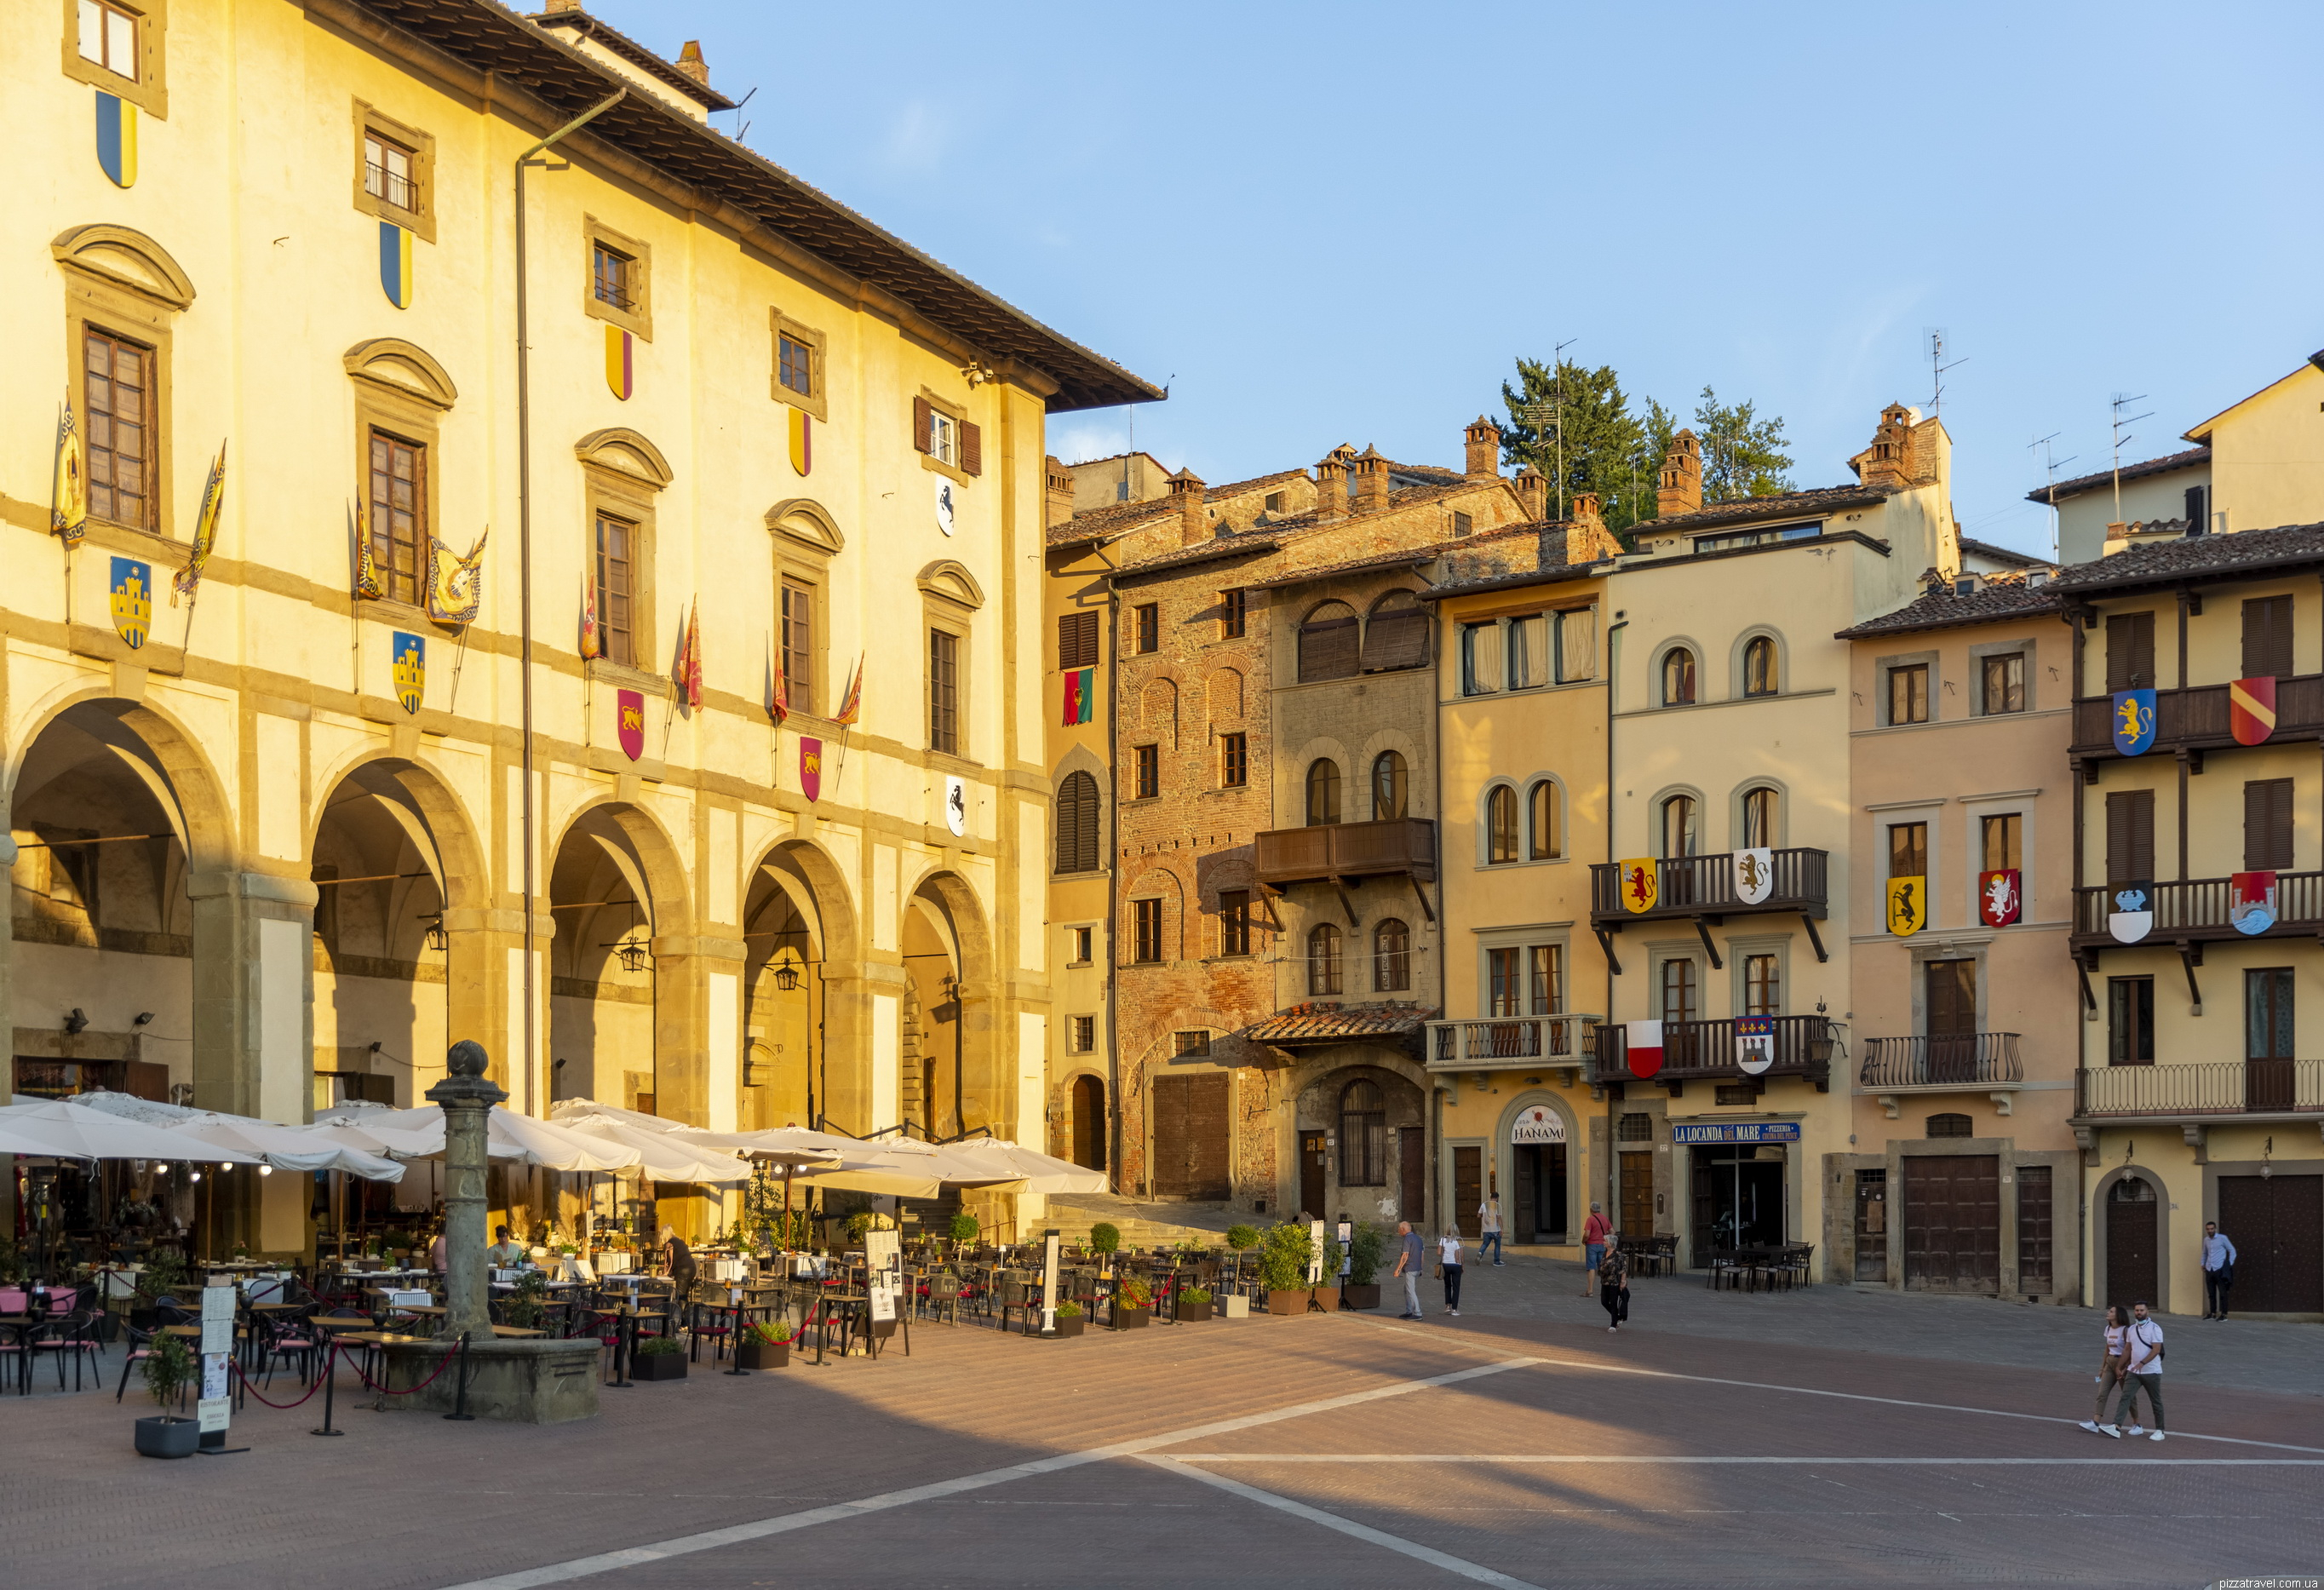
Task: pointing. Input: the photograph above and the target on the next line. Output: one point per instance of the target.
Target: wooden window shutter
(1077, 824)
(1397, 638)
(2267, 637)
(971, 448)
(2130, 652)
(1077, 640)
(2267, 826)
(922, 422)
(2130, 837)
(1328, 649)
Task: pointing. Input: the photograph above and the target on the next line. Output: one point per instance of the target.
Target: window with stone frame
(1391, 957)
(1149, 772)
(1323, 960)
(399, 515)
(1234, 922)
(1234, 759)
(118, 433)
(1146, 931)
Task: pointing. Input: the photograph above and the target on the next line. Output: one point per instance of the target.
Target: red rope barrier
(246, 1386)
(449, 1359)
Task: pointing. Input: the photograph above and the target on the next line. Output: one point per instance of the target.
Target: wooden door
(2130, 1239)
(1637, 1195)
(1526, 1165)
(2277, 1225)
(1468, 1190)
(1412, 1168)
(1951, 1014)
(1555, 1226)
(1872, 1225)
(1952, 1223)
(1190, 1137)
(2034, 1231)
(1312, 1164)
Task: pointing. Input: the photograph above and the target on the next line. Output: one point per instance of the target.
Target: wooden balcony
(2196, 911)
(1511, 1043)
(1704, 1052)
(1404, 846)
(2211, 1088)
(2196, 718)
(1704, 886)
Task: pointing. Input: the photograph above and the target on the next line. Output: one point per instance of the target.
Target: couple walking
(2132, 1359)
(1410, 1255)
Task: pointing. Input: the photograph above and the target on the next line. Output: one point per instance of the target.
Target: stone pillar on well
(465, 1097)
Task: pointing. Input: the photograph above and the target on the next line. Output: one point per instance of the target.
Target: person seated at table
(504, 1254)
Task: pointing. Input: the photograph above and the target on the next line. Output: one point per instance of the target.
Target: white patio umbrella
(665, 1156)
(757, 1145)
(286, 1148)
(417, 1134)
(61, 1130)
(993, 1163)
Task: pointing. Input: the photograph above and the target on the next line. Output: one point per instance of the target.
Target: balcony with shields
(2196, 718)
(1708, 1051)
(1707, 889)
(1952, 1054)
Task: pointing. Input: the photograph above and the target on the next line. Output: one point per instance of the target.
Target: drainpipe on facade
(1114, 868)
(1611, 1197)
(524, 575)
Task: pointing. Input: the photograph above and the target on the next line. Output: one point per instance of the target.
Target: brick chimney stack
(690, 62)
(1532, 491)
(1193, 513)
(1484, 450)
(1587, 539)
(1371, 481)
(1887, 462)
(1059, 491)
(1330, 486)
(1680, 490)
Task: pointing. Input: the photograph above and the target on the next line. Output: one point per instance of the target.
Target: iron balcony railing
(1510, 1041)
(1705, 1051)
(1401, 845)
(2196, 718)
(1956, 1059)
(2198, 908)
(2208, 1087)
(1704, 885)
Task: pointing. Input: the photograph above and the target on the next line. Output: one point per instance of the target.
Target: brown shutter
(2267, 637)
(2267, 825)
(971, 448)
(1077, 640)
(1329, 650)
(1397, 639)
(920, 424)
(2130, 652)
(2130, 837)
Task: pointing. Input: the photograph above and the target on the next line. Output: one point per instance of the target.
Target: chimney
(1680, 490)
(1193, 513)
(690, 62)
(1059, 492)
(1887, 462)
(1484, 445)
(1371, 481)
(1587, 539)
(1330, 486)
(1532, 491)
(555, 6)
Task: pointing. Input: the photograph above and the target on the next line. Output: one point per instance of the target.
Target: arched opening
(1678, 827)
(1678, 677)
(2133, 1237)
(1087, 1103)
(1330, 643)
(1323, 960)
(1077, 824)
(1398, 634)
(1323, 792)
(1391, 957)
(1390, 786)
(1501, 825)
(1759, 671)
(952, 1081)
(1363, 1134)
(783, 961)
(1545, 821)
(1362, 1142)
(1758, 818)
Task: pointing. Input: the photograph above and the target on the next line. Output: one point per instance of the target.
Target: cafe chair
(291, 1338)
(74, 1334)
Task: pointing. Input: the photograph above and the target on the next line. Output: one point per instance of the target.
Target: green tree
(1606, 448)
(1743, 455)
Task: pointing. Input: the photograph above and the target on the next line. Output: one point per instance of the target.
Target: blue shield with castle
(131, 600)
(410, 670)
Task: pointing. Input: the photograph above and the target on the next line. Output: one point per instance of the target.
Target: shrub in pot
(963, 1231)
(1327, 1291)
(169, 1370)
(1367, 1249)
(1133, 1303)
(1070, 1322)
(658, 1358)
(1283, 1254)
(1194, 1305)
(765, 1345)
(1105, 1238)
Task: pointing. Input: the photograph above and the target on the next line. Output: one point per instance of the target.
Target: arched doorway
(1361, 1145)
(948, 1081)
(1086, 1102)
(786, 1070)
(2133, 1222)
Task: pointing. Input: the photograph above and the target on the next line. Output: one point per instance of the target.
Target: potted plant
(765, 1345)
(1105, 1238)
(1367, 1247)
(1194, 1305)
(168, 1370)
(526, 1306)
(1133, 1303)
(658, 1358)
(1240, 1239)
(1327, 1291)
(1283, 1254)
(1069, 1319)
(962, 1231)
(164, 1274)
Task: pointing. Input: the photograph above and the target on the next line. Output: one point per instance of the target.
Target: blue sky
(1328, 225)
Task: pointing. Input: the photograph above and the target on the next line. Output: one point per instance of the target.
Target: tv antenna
(2123, 400)
(2050, 464)
(1937, 368)
(1549, 414)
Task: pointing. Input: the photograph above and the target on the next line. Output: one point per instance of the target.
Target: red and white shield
(1644, 1048)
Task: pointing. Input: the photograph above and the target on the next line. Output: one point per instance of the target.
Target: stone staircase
(1143, 1226)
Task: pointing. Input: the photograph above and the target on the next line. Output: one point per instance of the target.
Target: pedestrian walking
(1489, 1221)
(1408, 1260)
(1448, 1266)
(2110, 1359)
(1594, 1233)
(1614, 1288)
(2142, 1371)
(2219, 1271)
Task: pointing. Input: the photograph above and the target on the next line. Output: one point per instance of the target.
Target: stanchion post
(460, 1384)
(1049, 1285)
(330, 1387)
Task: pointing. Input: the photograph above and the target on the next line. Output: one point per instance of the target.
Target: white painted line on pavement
(1333, 1520)
(581, 1568)
(1813, 1462)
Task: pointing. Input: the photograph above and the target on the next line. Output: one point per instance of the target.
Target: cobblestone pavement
(1349, 1450)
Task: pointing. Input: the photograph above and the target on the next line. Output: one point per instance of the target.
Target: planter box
(1328, 1296)
(659, 1366)
(1367, 1296)
(762, 1355)
(175, 1438)
(1193, 1313)
(1131, 1318)
(1291, 1302)
(1072, 1327)
(1237, 1306)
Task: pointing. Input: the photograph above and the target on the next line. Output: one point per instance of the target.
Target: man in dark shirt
(1408, 1253)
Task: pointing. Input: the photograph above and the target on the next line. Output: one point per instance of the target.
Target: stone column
(465, 1097)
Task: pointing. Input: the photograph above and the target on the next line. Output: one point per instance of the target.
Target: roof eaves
(630, 50)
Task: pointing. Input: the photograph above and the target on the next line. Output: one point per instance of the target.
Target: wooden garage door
(2277, 1225)
(1190, 1137)
(1952, 1223)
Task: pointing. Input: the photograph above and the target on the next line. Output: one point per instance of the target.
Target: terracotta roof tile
(1782, 505)
(2245, 554)
(2190, 459)
(1328, 1023)
(1997, 598)
(1218, 547)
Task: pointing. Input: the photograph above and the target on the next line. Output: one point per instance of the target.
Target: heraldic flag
(1638, 883)
(2251, 709)
(1081, 692)
(1643, 1047)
